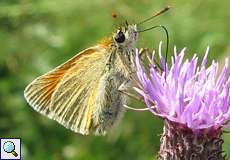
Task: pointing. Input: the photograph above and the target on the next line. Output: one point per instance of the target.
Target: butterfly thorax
(123, 49)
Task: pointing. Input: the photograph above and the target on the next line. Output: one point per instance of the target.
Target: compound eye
(120, 37)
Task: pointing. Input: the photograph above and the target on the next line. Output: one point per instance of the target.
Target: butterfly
(83, 93)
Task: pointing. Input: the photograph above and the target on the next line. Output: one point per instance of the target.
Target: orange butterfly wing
(67, 93)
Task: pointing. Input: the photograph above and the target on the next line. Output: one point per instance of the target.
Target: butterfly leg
(145, 52)
(142, 52)
(124, 89)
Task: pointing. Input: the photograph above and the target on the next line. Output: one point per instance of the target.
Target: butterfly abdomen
(109, 102)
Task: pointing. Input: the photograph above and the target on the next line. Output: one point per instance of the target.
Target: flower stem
(181, 143)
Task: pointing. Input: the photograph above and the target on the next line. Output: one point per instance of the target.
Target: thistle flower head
(186, 93)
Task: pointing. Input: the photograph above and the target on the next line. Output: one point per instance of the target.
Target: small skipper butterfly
(83, 93)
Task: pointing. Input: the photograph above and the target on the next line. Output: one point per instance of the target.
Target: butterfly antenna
(155, 15)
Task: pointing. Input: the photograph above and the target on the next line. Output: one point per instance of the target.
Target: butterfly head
(126, 36)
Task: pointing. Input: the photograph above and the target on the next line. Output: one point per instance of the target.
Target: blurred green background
(37, 35)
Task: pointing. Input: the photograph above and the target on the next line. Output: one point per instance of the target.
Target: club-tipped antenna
(155, 15)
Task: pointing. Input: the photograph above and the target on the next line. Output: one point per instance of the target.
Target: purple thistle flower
(193, 101)
(191, 95)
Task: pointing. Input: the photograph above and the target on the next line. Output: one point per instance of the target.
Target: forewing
(67, 93)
